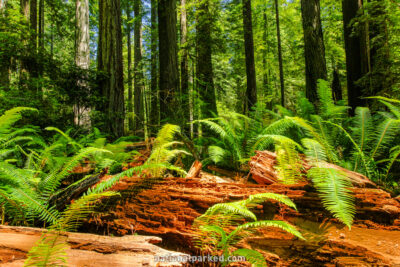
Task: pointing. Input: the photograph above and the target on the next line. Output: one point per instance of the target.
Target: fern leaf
(333, 188)
(384, 136)
(252, 256)
(260, 224)
(260, 198)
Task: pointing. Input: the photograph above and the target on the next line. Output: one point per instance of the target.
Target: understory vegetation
(38, 165)
(94, 93)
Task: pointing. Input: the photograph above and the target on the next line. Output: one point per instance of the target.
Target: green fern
(161, 153)
(333, 188)
(211, 227)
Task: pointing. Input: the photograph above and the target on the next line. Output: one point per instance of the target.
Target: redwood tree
(82, 56)
(109, 62)
(168, 58)
(314, 49)
(251, 91)
(205, 75)
(137, 68)
(356, 53)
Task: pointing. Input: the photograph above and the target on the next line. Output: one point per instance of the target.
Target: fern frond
(10, 117)
(333, 188)
(49, 250)
(363, 126)
(394, 154)
(217, 154)
(252, 256)
(314, 150)
(384, 136)
(395, 110)
(233, 208)
(53, 180)
(80, 209)
(260, 198)
(260, 224)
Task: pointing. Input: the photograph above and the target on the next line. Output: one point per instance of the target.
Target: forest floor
(165, 208)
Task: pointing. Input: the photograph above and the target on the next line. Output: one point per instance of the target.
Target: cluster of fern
(366, 143)
(32, 170)
(221, 227)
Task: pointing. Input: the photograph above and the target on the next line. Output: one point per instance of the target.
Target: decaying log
(168, 208)
(194, 171)
(85, 249)
(146, 144)
(262, 168)
(64, 197)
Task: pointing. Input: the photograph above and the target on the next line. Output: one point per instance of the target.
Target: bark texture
(278, 35)
(184, 62)
(137, 68)
(168, 58)
(251, 92)
(314, 49)
(167, 208)
(205, 75)
(355, 52)
(110, 63)
(129, 48)
(82, 58)
(154, 106)
(86, 249)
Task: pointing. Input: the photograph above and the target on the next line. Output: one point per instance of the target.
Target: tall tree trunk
(41, 25)
(82, 59)
(251, 92)
(278, 35)
(33, 26)
(184, 63)
(265, 52)
(355, 46)
(5, 59)
(380, 72)
(168, 58)
(137, 69)
(205, 83)
(110, 63)
(131, 125)
(314, 49)
(154, 109)
(336, 86)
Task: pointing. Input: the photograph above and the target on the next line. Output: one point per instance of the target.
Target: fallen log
(194, 171)
(64, 197)
(262, 169)
(86, 249)
(168, 208)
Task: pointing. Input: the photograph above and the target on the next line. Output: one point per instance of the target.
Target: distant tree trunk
(110, 63)
(3, 4)
(137, 68)
(205, 83)
(314, 48)
(82, 58)
(355, 54)
(154, 110)
(265, 52)
(251, 92)
(336, 86)
(278, 34)
(33, 24)
(168, 58)
(131, 125)
(5, 59)
(184, 64)
(380, 72)
(41, 26)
